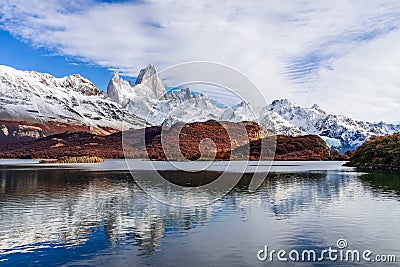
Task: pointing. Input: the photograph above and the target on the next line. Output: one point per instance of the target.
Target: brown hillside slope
(308, 147)
(199, 139)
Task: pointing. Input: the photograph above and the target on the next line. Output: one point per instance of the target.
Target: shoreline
(136, 165)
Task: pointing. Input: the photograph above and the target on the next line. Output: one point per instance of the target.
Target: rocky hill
(378, 153)
(307, 147)
(201, 140)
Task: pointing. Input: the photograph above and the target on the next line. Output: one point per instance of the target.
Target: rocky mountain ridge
(41, 104)
(340, 132)
(34, 99)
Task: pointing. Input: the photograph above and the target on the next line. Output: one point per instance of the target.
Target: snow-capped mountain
(148, 99)
(239, 112)
(273, 121)
(339, 132)
(39, 98)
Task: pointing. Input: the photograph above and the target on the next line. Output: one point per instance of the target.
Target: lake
(97, 215)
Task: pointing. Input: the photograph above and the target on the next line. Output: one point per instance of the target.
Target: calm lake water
(99, 216)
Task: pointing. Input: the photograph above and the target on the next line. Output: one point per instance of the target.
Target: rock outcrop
(210, 140)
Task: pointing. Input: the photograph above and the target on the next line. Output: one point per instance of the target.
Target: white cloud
(296, 49)
(369, 78)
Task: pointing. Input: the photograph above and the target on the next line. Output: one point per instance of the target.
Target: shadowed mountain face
(209, 140)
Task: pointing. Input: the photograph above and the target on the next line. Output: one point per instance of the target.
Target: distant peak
(146, 73)
(186, 90)
(318, 108)
(315, 106)
(115, 75)
(151, 67)
(241, 104)
(76, 76)
(283, 101)
(79, 84)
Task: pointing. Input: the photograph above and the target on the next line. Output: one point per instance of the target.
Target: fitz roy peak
(148, 99)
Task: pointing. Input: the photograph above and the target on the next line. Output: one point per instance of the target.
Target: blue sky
(21, 55)
(340, 54)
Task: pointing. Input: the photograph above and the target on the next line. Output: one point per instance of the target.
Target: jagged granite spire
(148, 84)
(151, 79)
(116, 88)
(318, 108)
(146, 73)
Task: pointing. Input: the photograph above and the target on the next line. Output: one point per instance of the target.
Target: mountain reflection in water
(47, 209)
